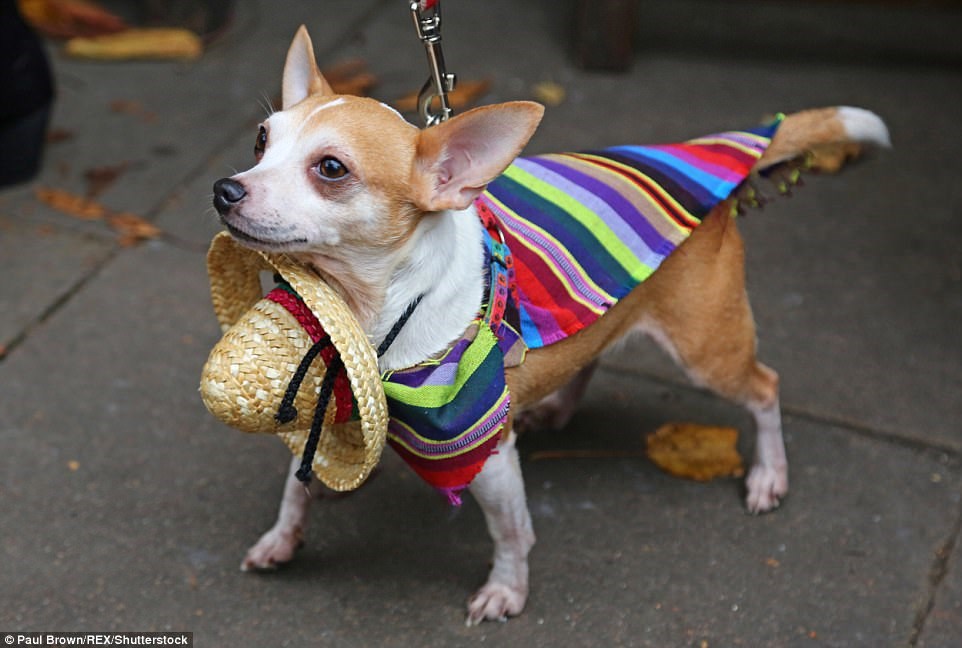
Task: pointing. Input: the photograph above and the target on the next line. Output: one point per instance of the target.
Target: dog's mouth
(261, 243)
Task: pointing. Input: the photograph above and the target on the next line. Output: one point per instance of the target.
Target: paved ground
(124, 506)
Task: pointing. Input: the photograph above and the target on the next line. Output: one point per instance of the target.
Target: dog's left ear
(301, 76)
(457, 158)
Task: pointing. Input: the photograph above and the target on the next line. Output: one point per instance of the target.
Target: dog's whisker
(267, 104)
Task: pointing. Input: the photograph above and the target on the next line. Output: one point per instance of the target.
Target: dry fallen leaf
(70, 18)
(695, 451)
(549, 93)
(71, 204)
(465, 94)
(350, 77)
(830, 159)
(145, 43)
(100, 178)
(56, 135)
(130, 228)
(130, 107)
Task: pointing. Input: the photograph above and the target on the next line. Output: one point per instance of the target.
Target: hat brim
(248, 370)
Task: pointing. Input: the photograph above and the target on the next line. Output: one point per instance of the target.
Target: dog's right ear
(457, 158)
(301, 76)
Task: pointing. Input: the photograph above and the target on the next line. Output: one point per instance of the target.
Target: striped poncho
(580, 231)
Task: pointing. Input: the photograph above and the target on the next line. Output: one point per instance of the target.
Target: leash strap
(427, 23)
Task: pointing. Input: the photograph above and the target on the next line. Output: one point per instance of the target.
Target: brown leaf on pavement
(99, 179)
(70, 18)
(350, 77)
(56, 135)
(466, 93)
(135, 108)
(71, 204)
(697, 452)
(132, 229)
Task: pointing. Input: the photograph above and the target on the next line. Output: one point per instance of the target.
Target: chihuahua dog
(386, 213)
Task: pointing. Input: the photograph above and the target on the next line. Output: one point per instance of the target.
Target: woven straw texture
(248, 370)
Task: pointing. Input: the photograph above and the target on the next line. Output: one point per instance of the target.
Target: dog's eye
(260, 143)
(331, 168)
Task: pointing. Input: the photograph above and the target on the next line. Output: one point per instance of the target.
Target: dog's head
(342, 181)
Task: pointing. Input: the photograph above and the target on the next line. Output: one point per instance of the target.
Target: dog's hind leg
(555, 410)
(708, 328)
(499, 490)
(277, 545)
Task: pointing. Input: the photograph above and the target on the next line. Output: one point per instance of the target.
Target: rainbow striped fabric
(446, 415)
(581, 230)
(586, 228)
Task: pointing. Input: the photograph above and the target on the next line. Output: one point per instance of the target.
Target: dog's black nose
(227, 193)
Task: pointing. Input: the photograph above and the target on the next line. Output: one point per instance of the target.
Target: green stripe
(433, 396)
(598, 228)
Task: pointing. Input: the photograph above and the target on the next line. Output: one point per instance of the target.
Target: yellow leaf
(695, 451)
(549, 93)
(829, 159)
(149, 43)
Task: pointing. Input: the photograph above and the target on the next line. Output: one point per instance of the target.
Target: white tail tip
(864, 126)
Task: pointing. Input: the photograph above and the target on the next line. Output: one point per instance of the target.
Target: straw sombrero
(292, 360)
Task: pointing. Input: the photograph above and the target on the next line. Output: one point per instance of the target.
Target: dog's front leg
(499, 490)
(278, 545)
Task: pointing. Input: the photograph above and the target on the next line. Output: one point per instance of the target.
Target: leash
(427, 23)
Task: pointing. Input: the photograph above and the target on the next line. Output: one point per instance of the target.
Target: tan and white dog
(384, 212)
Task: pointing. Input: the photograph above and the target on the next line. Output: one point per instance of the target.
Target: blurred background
(125, 506)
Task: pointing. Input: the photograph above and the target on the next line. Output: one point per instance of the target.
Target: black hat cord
(287, 412)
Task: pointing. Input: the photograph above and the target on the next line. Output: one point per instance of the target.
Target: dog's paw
(495, 602)
(275, 547)
(766, 486)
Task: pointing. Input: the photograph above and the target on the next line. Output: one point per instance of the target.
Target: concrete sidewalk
(125, 506)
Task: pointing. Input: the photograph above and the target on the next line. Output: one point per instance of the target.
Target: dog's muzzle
(227, 193)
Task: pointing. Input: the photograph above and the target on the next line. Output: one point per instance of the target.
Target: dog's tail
(824, 138)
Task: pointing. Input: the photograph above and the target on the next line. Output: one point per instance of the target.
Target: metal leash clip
(440, 83)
